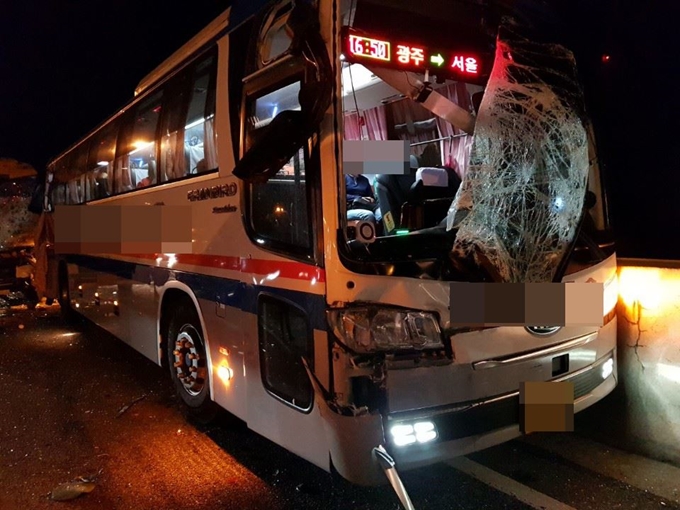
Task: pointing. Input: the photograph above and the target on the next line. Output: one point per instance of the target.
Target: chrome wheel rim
(189, 364)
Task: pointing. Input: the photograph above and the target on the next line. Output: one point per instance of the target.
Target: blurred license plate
(546, 407)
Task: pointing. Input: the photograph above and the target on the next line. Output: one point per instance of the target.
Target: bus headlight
(386, 329)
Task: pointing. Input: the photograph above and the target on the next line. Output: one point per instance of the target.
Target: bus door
(280, 169)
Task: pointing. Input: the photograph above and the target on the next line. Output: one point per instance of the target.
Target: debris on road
(128, 406)
(71, 490)
(90, 478)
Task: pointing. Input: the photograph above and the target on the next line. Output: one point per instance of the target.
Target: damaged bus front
(499, 184)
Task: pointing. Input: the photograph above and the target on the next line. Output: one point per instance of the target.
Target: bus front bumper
(469, 427)
(460, 429)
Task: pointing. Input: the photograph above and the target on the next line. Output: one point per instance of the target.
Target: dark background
(66, 66)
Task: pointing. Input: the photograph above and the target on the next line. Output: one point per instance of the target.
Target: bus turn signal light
(225, 373)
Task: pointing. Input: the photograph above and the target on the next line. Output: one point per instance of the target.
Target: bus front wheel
(188, 364)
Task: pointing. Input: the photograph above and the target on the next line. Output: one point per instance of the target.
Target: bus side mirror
(303, 22)
(279, 142)
(290, 129)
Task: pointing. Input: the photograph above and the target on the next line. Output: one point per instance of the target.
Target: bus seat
(427, 200)
(432, 176)
(391, 191)
(433, 183)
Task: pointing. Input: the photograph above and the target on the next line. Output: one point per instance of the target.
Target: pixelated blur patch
(176, 229)
(390, 157)
(584, 304)
(546, 407)
(531, 304)
(67, 229)
(133, 229)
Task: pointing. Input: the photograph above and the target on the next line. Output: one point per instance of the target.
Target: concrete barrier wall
(643, 413)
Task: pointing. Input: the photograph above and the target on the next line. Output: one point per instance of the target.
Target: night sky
(66, 66)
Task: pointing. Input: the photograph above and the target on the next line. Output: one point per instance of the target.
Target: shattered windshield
(500, 165)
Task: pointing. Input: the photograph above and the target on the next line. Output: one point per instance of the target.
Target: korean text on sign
(410, 54)
(466, 65)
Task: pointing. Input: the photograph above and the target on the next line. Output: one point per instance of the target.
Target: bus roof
(191, 47)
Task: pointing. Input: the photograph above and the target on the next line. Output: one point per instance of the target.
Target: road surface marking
(658, 478)
(507, 485)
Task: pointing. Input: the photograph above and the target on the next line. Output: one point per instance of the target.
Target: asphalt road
(76, 402)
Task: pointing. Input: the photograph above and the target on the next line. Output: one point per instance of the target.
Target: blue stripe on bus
(233, 293)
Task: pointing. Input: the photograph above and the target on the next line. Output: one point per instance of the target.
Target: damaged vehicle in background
(17, 230)
(16, 278)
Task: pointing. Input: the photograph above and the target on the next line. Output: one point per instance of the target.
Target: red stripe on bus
(285, 269)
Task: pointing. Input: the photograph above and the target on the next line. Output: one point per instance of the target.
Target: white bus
(328, 335)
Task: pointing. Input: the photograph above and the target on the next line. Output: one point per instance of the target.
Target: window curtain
(73, 195)
(100, 178)
(376, 123)
(123, 179)
(167, 166)
(87, 181)
(456, 152)
(209, 144)
(60, 194)
(352, 128)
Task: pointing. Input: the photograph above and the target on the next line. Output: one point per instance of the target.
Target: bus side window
(143, 148)
(74, 191)
(173, 119)
(135, 162)
(59, 194)
(122, 178)
(87, 184)
(100, 159)
(199, 133)
(61, 171)
(78, 166)
(285, 337)
(278, 209)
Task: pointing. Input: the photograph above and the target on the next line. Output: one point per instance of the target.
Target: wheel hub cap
(189, 363)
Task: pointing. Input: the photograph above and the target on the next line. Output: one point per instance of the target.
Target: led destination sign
(369, 48)
(410, 57)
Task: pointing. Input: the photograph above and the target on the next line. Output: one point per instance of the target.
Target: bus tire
(67, 312)
(188, 363)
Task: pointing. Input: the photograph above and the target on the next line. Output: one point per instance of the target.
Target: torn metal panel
(351, 437)
(522, 196)
(409, 85)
